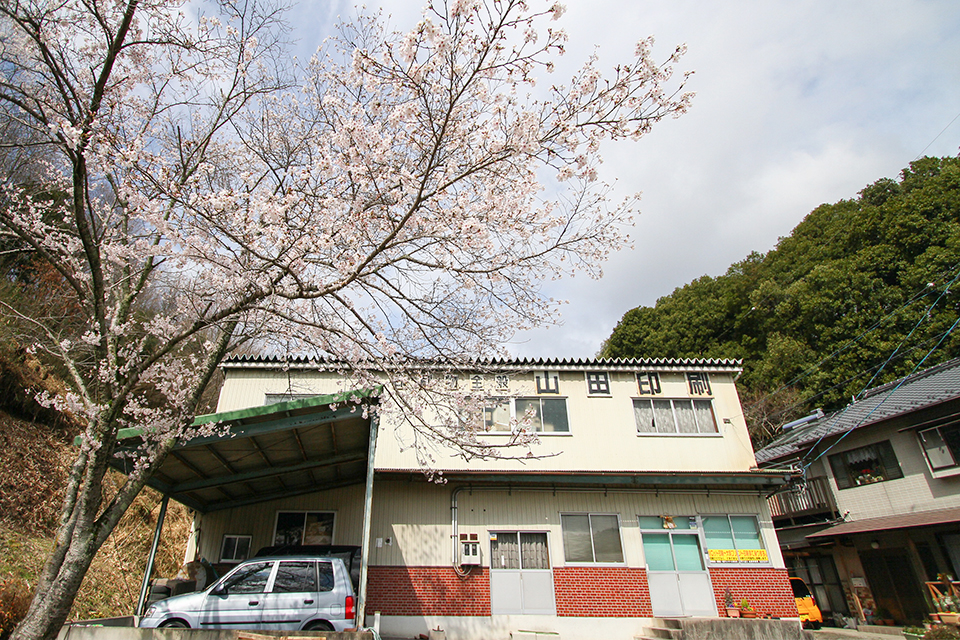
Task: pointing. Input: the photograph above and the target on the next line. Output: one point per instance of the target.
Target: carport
(265, 453)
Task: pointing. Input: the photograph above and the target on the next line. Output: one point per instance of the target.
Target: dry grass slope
(34, 461)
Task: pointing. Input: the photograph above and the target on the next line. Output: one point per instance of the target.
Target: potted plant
(949, 609)
(913, 633)
(942, 632)
(746, 611)
(732, 610)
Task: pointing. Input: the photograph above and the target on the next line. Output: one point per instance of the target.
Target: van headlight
(151, 611)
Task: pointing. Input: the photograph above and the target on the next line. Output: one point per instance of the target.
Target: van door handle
(308, 602)
(253, 603)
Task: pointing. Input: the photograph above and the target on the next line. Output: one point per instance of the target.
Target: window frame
(303, 533)
(492, 402)
(945, 470)
(236, 537)
(839, 462)
(594, 563)
(711, 563)
(673, 413)
(493, 536)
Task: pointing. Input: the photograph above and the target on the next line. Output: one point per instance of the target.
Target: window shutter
(840, 471)
(891, 466)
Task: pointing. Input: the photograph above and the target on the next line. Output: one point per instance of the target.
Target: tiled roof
(299, 362)
(898, 521)
(923, 389)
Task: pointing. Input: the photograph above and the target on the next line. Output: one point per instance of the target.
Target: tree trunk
(49, 609)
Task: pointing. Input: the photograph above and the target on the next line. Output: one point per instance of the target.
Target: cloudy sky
(798, 103)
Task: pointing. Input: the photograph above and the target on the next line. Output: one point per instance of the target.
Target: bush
(14, 600)
(942, 632)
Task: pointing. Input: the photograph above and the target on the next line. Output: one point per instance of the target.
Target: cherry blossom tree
(397, 197)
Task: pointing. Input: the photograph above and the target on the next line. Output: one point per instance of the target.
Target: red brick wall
(580, 591)
(767, 590)
(614, 592)
(428, 591)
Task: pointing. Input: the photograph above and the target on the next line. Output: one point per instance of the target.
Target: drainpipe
(142, 601)
(454, 535)
(367, 517)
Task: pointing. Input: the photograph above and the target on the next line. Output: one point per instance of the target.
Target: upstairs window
(680, 416)
(942, 446)
(542, 415)
(865, 465)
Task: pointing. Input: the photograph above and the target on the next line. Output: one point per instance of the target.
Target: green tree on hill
(855, 283)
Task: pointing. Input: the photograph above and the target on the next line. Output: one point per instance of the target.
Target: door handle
(253, 603)
(308, 602)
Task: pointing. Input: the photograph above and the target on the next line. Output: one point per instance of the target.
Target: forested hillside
(859, 294)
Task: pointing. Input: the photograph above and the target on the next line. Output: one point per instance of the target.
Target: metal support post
(144, 588)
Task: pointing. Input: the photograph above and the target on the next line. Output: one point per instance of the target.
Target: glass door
(677, 575)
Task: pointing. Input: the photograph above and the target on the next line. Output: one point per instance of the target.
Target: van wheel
(174, 624)
(319, 625)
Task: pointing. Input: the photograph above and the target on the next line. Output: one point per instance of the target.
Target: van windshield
(799, 588)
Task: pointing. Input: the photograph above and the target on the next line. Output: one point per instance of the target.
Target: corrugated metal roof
(923, 389)
(266, 453)
(303, 362)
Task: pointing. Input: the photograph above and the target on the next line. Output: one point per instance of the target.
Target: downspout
(142, 601)
(454, 534)
(367, 517)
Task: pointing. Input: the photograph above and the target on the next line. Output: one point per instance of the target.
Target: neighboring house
(879, 514)
(651, 506)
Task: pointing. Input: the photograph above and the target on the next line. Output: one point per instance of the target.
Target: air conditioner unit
(469, 550)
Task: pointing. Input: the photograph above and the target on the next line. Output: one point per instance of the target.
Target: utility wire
(810, 370)
(889, 394)
(937, 136)
(920, 321)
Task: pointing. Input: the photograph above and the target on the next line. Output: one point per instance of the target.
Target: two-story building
(641, 499)
(879, 512)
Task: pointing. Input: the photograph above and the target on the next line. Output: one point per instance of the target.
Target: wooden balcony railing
(814, 498)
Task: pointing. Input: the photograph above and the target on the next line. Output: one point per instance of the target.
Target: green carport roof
(268, 452)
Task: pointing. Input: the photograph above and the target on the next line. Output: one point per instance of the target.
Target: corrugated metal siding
(258, 520)
(416, 517)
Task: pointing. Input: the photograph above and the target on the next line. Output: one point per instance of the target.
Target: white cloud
(798, 103)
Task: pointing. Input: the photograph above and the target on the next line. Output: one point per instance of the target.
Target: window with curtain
(674, 416)
(542, 415)
(591, 538)
(865, 465)
(519, 550)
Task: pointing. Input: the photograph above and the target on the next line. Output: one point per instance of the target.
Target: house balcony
(813, 502)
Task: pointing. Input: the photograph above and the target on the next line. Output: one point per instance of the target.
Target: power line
(889, 394)
(937, 136)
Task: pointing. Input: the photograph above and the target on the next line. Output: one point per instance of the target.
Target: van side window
(294, 577)
(251, 578)
(326, 576)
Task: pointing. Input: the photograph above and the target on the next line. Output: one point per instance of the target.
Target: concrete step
(663, 633)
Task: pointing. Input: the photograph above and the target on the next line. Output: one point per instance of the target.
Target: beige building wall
(412, 521)
(602, 437)
(916, 491)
